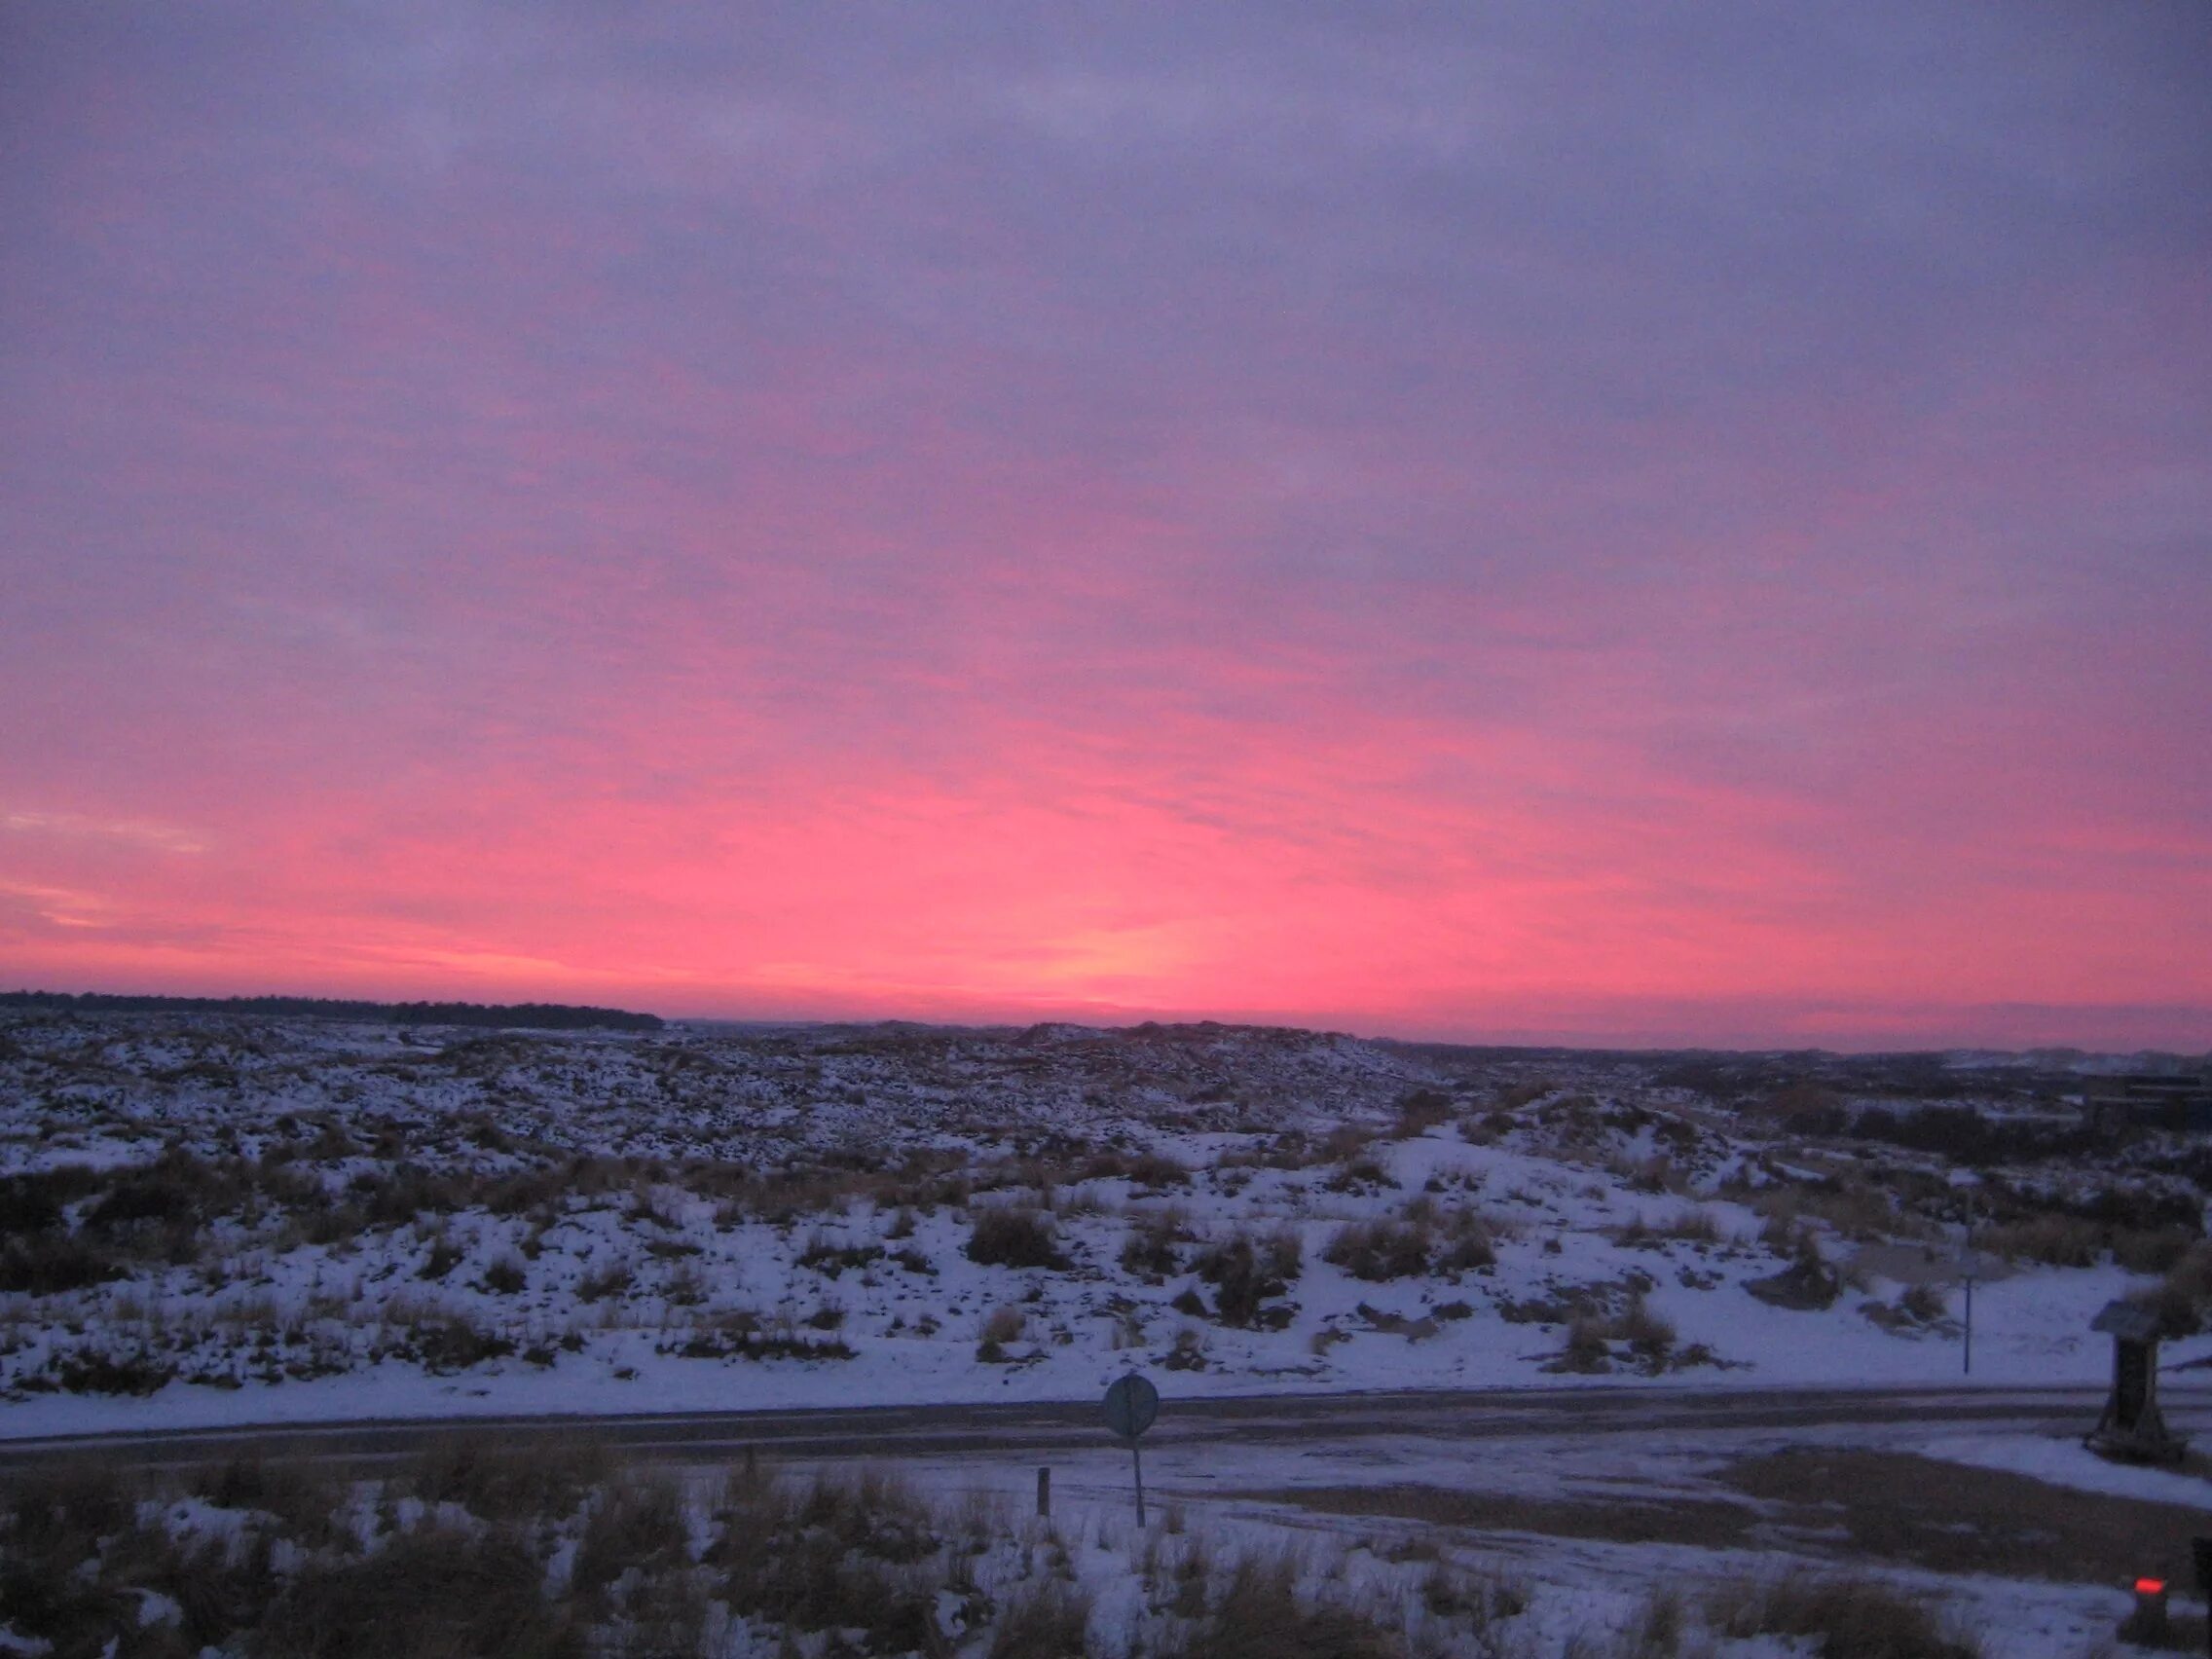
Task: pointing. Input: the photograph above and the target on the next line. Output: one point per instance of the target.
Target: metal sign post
(1131, 1404)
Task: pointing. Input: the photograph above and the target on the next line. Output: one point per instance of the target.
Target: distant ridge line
(536, 1016)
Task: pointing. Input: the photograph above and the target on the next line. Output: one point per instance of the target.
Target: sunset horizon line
(1945, 1027)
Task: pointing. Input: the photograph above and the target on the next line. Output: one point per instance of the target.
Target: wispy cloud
(1475, 520)
(130, 833)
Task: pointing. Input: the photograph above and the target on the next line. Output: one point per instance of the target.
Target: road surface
(890, 1432)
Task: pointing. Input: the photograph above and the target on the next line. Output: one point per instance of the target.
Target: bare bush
(1007, 1235)
(1381, 1249)
(1260, 1614)
(1422, 1242)
(1050, 1620)
(1149, 1247)
(635, 1523)
(1852, 1618)
(509, 1481)
(437, 1590)
(2053, 1240)
(1247, 1274)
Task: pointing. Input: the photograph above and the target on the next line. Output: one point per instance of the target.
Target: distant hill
(537, 1016)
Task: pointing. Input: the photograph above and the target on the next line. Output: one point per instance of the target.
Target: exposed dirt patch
(1954, 1518)
(1716, 1522)
(1885, 1505)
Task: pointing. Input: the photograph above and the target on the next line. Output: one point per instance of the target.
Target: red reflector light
(2150, 1586)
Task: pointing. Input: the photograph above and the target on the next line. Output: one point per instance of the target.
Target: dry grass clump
(1050, 1620)
(1657, 1633)
(2053, 1240)
(1923, 1303)
(52, 1521)
(1654, 1174)
(1150, 1248)
(303, 1497)
(1419, 1242)
(1143, 1171)
(1689, 1224)
(611, 1279)
(1259, 1615)
(854, 1554)
(1852, 1210)
(1381, 1249)
(637, 1522)
(2153, 1249)
(1852, 1618)
(1420, 1110)
(510, 1482)
(1001, 1326)
(1009, 1236)
(53, 1265)
(1248, 1272)
(2185, 1293)
(437, 1590)
(1591, 1337)
(487, 1552)
(507, 1276)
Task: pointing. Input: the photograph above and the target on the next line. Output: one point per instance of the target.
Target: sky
(1591, 523)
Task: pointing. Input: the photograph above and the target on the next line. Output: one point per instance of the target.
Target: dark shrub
(1050, 1621)
(1149, 1250)
(32, 1204)
(454, 1345)
(110, 1374)
(639, 1524)
(1245, 1277)
(46, 1265)
(1383, 1249)
(507, 1276)
(53, 1520)
(436, 1591)
(1420, 1110)
(1262, 1616)
(1011, 1237)
(500, 1481)
(1850, 1619)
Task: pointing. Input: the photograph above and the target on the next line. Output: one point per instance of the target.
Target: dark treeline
(537, 1016)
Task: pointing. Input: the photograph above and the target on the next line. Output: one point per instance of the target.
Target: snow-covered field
(217, 1221)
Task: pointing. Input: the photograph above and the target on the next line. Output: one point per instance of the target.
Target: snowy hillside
(208, 1219)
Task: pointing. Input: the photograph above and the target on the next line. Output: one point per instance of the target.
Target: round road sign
(1131, 1403)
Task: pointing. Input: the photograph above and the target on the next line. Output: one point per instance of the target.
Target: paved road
(914, 1431)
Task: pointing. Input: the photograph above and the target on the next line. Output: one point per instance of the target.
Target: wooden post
(752, 1461)
(1045, 1493)
(1136, 1460)
(2147, 1623)
(2200, 1557)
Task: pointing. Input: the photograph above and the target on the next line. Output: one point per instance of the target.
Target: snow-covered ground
(217, 1221)
(300, 1220)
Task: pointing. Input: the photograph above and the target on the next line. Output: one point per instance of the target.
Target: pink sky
(1659, 528)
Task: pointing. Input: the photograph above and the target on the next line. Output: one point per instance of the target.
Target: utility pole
(1968, 1248)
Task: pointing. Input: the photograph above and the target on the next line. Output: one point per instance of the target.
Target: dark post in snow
(1045, 1493)
(1131, 1405)
(2200, 1557)
(2147, 1622)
